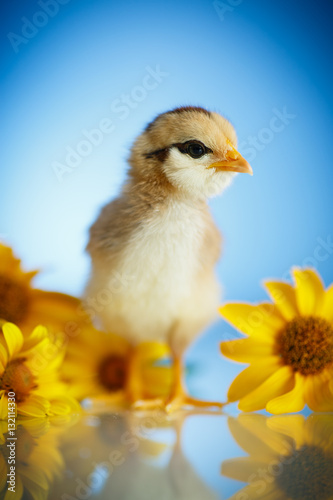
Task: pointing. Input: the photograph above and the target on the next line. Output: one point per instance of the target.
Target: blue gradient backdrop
(245, 61)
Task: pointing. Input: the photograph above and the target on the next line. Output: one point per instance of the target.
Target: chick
(160, 238)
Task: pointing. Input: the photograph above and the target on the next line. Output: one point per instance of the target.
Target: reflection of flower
(97, 364)
(37, 461)
(29, 368)
(28, 307)
(290, 347)
(290, 457)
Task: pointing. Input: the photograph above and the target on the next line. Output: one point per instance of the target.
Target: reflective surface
(126, 455)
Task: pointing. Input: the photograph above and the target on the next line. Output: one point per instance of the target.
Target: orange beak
(234, 162)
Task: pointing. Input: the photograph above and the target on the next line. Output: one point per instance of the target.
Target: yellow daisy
(97, 364)
(28, 307)
(289, 347)
(29, 375)
(289, 457)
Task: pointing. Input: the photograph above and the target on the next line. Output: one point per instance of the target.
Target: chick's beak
(234, 162)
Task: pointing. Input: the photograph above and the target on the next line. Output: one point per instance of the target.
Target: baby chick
(160, 238)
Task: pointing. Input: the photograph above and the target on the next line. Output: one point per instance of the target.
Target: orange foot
(148, 404)
(181, 401)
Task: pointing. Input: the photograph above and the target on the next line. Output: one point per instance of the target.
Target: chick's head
(193, 149)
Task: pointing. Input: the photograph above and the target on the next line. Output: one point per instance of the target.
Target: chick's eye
(195, 150)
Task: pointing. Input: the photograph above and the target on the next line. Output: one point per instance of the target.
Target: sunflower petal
(9, 264)
(241, 431)
(36, 477)
(246, 350)
(3, 406)
(83, 389)
(14, 338)
(54, 309)
(18, 490)
(242, 468)
(257, 425)
(317, 393)
(283, 294)
(327, 309)
(65, 406)
(309, 291)
(3, 357)
(148, 351)
(38, 334)
(253, 376)
(259, 321)
(290, 425)
(279, 383)
(318, 430)
(292, 401)
(34, 406)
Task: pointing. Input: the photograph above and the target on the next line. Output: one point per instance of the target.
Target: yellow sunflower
(29, 375)
(97, 365)
(289, 347)
(28, 307)
(289, 457)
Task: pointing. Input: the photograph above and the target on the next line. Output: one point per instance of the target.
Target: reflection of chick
(128, 456)
(158, 469)
(159, 237)
(177, 481)
(184, 483)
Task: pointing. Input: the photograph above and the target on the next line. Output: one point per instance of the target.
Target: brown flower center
(14, 300)
(112, 372)
(307, 475)
(306, 344)
(18, 378)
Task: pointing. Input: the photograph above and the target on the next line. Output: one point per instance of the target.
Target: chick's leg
(134, 384)
(179, 398)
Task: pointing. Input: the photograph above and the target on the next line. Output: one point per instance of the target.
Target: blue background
(245, 62)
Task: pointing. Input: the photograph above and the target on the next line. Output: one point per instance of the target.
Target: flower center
(18, 378)
(112, 372)
(307, 475)
(14, 300)
(306, 344)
